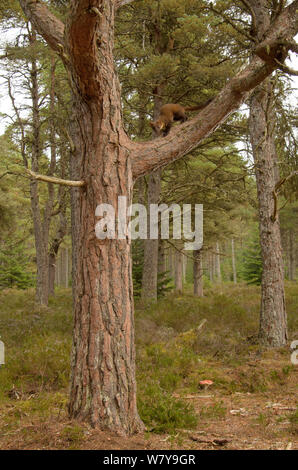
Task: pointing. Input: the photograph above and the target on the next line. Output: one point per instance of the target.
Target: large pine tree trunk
(103, 384)
(273, 318)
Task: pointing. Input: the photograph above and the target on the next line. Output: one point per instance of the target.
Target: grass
(172, 357)
(293, 418)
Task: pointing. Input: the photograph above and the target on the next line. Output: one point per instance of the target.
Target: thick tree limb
(148, 156)
(84, 37)
(47, 24)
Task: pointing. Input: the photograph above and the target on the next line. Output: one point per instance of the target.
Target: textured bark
(273, 318)
(103, 388)
(198, 273)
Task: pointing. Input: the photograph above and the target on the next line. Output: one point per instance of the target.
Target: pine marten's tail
(198, 107)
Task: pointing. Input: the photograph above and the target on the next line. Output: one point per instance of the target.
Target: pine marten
(170, 113)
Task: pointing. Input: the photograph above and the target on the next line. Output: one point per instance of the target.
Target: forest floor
(252, 403)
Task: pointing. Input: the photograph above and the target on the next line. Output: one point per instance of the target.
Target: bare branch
(276, 192)
(54, 180)
(121, 3)
(284, 68)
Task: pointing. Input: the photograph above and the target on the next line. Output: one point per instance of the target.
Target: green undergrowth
(173, 356)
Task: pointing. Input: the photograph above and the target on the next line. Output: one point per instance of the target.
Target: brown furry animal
(170, 113)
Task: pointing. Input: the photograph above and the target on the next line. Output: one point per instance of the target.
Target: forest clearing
(148, 225)
(252, 403)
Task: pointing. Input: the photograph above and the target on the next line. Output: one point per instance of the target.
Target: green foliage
(162, 413)
(38, 342)
(252, 261)
(293, 418)
(74, 434)
(34, 380)
(214, 411)
(14, 267)
(164, 282)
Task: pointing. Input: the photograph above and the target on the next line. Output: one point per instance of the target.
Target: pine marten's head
(158, 126)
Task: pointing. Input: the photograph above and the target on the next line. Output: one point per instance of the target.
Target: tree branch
(148, 156)
(284, 68)
(90, 44)
(121, 3)
(45, 23)
(276, 192)
(54, 180)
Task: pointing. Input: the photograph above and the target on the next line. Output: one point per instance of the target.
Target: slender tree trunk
(214, 264)
(210, 265)
(217, 262)
(234, 262)
(171, 256)
(273, 318)
(150, 268)
(56, 242)
(178, 271)
(198, 273)
(62, 225)
(184, 265)
(41, 228)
